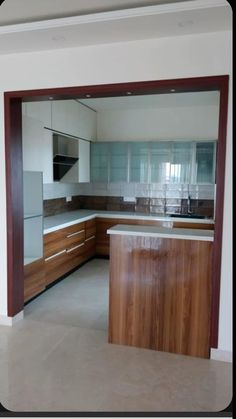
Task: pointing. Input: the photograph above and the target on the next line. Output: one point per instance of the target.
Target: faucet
(189, 205)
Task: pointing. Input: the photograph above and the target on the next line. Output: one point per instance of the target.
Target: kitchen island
(160, 288)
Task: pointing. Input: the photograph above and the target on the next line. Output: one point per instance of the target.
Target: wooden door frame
(14, 170)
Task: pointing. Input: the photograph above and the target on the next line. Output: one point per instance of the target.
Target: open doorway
(13, 111)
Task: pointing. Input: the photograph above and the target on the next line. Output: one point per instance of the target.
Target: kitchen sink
(187, 216)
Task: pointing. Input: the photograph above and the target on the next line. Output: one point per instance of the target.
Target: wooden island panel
(160, 294)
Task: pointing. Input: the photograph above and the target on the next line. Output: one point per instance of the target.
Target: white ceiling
(139, 23)
(21, 11)
(153, 101)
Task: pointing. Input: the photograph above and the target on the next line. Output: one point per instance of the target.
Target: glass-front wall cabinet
(154, 162)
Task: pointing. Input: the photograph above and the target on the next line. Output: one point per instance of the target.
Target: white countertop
(163, 232)
(66, 219)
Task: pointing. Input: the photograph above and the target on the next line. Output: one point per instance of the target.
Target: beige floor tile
(58, 359)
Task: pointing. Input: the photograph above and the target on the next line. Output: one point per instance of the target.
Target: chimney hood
(65, 155)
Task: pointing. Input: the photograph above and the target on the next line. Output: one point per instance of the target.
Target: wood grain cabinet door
(160, 294)
(34, 279)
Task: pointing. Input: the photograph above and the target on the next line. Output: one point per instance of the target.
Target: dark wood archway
(14, 170)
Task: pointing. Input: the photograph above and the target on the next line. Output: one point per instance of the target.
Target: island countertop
(66, 219)
(162, 232)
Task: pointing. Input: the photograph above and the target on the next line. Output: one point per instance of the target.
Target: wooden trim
(192, 84)
(14, 164)
(219, 211)
(14, 187)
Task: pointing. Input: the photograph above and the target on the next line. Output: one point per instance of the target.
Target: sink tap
(189, 205)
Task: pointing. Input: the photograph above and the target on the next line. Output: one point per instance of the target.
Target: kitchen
(59, 340)
(144, 160)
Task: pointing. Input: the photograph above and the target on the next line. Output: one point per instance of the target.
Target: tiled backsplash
(143, 205)
(148, 198)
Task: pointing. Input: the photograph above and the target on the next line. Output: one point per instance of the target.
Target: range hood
(65, 155)
(61, 165)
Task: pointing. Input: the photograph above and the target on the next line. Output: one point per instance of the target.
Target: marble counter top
(164, 232)
(66, 219)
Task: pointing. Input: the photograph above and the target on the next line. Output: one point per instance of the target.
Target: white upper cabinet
(87, 123)
(60, 114)
(37, 148)
(38, 110)
(66, 116)
(72, 118)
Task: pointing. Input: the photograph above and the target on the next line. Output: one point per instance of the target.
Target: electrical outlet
(68, 199)
(129, 199)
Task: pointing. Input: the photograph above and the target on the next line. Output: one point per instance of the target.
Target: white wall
(167, 58)
(176, 120)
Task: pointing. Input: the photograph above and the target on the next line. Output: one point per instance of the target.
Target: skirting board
(220, 355)
(9, 321)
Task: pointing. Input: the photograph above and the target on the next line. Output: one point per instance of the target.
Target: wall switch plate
(129, 199)
(68, 199)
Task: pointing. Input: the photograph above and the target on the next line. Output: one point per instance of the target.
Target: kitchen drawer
(56, 266)
(74, 239)
(90, 229)
(34, 279)
(74, 228)
(90, 232)
(90, 247)
(63, 238)
(90, 223)
(54, 243)
(76, 255)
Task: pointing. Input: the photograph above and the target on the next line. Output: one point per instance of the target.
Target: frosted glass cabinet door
(181, 160)
(99, 162)
(118, 162)
(160, 154)
(205, 157)
(139, 161)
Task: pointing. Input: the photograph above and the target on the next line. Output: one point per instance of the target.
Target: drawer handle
(90, 238)
(74, 234)
(55, 255)
(75, 247)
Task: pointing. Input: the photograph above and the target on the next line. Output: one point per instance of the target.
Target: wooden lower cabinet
(34, 279)
(56, 266)
(74, 245)
(160, 294)
(67, 248)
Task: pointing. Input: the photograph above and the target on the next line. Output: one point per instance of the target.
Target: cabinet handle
(74, 234)
(75, 247)
(55, 255)
(90, 238)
